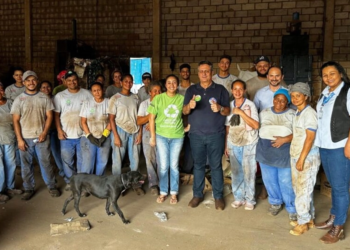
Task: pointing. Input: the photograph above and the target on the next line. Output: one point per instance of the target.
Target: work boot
(293, 217)
(299, 229)
(220, 204)
(333, 235)
(328, 224)
(54, 192)
(27, 195)
(310, 224)
(139, 191)
(275, 209)
(14, 191)
(195, 202)
(4, 198)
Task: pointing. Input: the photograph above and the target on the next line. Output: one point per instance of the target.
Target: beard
(261, 75)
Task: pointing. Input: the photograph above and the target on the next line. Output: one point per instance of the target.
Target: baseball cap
(70, 73)
(61, 74)
(301, 87)
(283, 92)
(262, 58)
(146, 75)
(29, 73)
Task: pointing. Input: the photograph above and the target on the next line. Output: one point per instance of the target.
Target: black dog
(104, 187)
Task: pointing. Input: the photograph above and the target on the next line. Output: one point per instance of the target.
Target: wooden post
(328, 34)
(28, 34)
(156, 47)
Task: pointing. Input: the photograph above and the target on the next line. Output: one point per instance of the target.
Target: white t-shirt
(96, 115)
(181, 90)
(69, 105)
(143, 94)
(304, 120)
(32, 111)
(12, 91)
(125, 110)
(226, 82)
(275, 125)
(241, 135)
(7, 134)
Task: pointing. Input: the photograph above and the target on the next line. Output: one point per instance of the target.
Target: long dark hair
(340, 69)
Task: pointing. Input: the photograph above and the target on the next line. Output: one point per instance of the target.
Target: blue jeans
(278, 183)
(93, 155)
(243, 170)
(303, 185)
(56, 150)
(337, 169)
(150, 154)
(42, 151)
(128, 143)
(211, 148)
(69, 149)
(7, 166)
(168, 150)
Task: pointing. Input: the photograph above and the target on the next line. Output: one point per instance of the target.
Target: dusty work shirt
(7, 134)
(96, 115)
(242, 134)
(226, 82)
(12, 91)
(112, 90)
(32, 111)
(143, 94)
(125, 110)
(304, 120)
(69, 105)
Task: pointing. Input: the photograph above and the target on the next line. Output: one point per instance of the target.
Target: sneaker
(139, 191)
(248, 206)
(293, 217)
(154, 190)
(67, 188)
(27, 195)
(275, 209)
(54, 192)
(14, 191)
(4, 198)
(299, 229)
(237, 204)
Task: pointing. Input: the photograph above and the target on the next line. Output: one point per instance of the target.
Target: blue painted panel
(138, 66)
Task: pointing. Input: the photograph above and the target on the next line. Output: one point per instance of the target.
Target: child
(305, 158)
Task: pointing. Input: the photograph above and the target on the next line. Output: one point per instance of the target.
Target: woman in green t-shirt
(167, 132)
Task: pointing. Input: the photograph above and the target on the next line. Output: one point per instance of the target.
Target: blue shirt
(202, 119)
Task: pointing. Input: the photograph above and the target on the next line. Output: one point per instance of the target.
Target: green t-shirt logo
(171, 111)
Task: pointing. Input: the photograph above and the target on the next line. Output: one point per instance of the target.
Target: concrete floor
(26, 224)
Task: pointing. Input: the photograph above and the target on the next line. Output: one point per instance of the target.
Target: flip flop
(161, 198)
(173, 200)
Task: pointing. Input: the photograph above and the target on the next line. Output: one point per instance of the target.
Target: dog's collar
(122, 179)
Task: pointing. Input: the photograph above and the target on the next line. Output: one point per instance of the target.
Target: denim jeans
(150, 154)
(56, 150)
(243, 170)
(7, 166)
(128, 143)
(337, 169)
(94, 156)
(69, 149)
(211, 148)
(168, 150)
(278, 183)
(42, 150)
(303, 185)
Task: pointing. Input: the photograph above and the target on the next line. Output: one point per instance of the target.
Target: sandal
(173, 199)
(161, 198)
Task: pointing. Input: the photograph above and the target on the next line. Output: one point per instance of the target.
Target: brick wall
(192, 30)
